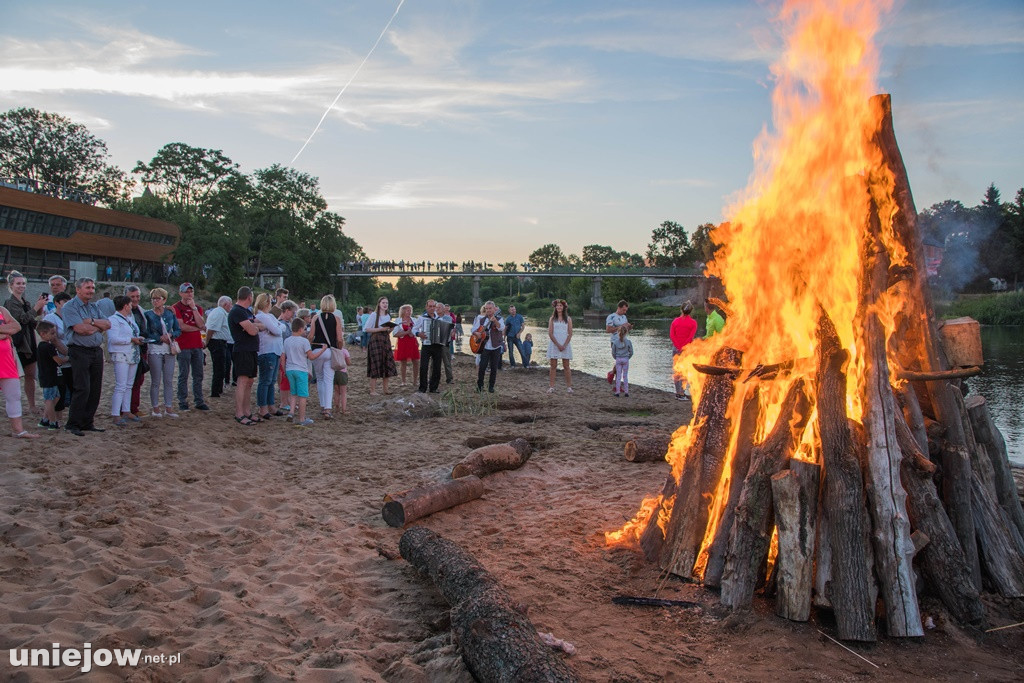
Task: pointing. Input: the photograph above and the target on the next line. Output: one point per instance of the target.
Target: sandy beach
(260, 554)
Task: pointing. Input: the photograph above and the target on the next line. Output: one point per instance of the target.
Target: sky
(481, 130)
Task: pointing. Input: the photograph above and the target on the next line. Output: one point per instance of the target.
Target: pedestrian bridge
(478, 271)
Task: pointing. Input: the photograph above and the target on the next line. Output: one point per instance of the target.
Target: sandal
(327, 415)
(244, 421)
(25, 434)
(254, 419)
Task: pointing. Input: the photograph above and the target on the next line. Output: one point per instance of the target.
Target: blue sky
(482, 130)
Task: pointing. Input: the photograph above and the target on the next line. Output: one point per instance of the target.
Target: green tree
(548, 257)
(702, 245)
(187, 176)
(669, 246)
(598, 256)
(50, 148)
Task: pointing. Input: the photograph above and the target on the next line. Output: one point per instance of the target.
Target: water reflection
(1001, 383)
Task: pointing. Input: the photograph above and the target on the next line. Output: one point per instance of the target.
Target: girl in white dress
(560, 336)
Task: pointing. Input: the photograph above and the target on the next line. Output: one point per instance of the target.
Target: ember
(830, 369)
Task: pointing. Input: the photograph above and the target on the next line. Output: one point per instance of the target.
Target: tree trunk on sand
(795, 498)
(702, 470)
(740, 466)
(494, 458)
(920, 348)
(988, 436)
(752, 531)
(647, 449)
(402, 508)
(943, 563)
(497, 641)
(851, 588)
(894, 551)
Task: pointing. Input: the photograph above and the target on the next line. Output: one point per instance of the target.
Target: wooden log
(938, 375)
(652, 540)
(894, 551)
(795, 499)
(989, 437)
(752, 530)
(494, 458)
(920, 346)
(408, 506)
(702, 470)
(823, 560)
(715, 370)
(739, 467)
(914, 419)
(647, 449)
(945, 568)
(850, 587)
(497, 641)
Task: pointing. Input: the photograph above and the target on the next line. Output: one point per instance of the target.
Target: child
(527, 350)
(51, 378)
(622, 351)
(297, 352)
(341, 377)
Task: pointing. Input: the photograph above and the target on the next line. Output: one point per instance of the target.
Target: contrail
(345, 87)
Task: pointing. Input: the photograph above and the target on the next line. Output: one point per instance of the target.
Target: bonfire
(832, 459)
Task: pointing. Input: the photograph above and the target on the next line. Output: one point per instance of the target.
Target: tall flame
(794, 239)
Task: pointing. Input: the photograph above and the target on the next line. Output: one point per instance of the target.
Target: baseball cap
(185, 286)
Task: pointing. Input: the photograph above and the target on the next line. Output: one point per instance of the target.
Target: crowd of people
(268, 342)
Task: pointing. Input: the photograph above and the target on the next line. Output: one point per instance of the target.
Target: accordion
(437, 331)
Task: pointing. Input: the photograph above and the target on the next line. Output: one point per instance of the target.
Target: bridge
(597, 276)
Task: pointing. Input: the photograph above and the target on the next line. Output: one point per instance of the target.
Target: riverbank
(260, 553)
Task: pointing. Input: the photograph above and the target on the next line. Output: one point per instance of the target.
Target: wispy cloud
(425, 193)
(928, 23)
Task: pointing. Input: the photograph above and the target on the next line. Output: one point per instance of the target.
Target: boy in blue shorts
(296, 352)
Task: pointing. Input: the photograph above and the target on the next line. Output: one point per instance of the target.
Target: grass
(1003, 308)
(459, 400)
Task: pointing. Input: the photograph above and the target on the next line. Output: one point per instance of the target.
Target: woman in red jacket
(681, 333)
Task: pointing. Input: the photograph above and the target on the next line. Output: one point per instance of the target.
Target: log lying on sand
(408, 506)
(647, 449)
(497, 641)
(494, 458)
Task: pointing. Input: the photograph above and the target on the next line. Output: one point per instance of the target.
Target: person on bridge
(560, 346)
(380, 361)
(513, 328)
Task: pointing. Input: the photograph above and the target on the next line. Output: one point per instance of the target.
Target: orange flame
(794, 239)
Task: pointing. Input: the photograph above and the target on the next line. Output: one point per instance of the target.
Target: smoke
(965, 238)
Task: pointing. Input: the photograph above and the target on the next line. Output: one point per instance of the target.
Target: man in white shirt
(490, 354)
(217, 338)
(430, 354)
(617, 320)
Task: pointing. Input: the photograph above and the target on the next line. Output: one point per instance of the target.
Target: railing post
(344, 288)
(596, 300)
(476, 291)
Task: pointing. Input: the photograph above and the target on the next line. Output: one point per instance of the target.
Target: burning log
(702, 470)
(893, 547)
(740, 466)
(652, 540)
(752, 531)
(795, 498)
(494, 458)
(408, 506)
(851, 590)
(920, 347)
(912, 416)
(649, 449)
(959, 373)
(988, 437)
(942, 560)
(497, 641)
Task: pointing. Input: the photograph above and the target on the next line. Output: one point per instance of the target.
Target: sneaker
(44, 423)
(626, 394)
(569, 390)
(288, 419)
(53, 425)
(156, 413)
(183, 407)
(170, 414)
(203, 407)
(308, 422)
(615, 394)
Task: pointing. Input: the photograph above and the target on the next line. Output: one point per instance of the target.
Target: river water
(1001, 382)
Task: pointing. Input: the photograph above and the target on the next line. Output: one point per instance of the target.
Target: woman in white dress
(560, 336)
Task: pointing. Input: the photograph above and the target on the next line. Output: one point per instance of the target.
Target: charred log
(497, 641)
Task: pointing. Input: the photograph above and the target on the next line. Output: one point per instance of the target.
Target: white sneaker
(156, 413)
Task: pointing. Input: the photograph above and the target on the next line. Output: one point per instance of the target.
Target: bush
(1004, 308)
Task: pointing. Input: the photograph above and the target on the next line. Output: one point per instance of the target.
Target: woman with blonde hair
(268, 357)
(161, 329)
(407, 349)
(24, 340)
(560, 348)
(324, 332)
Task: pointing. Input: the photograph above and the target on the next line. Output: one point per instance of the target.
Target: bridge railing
(373, 270)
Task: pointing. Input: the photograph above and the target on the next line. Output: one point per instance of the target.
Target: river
(1001, 382)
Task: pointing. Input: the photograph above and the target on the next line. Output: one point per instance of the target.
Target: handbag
(338, 363)
(174, 346)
